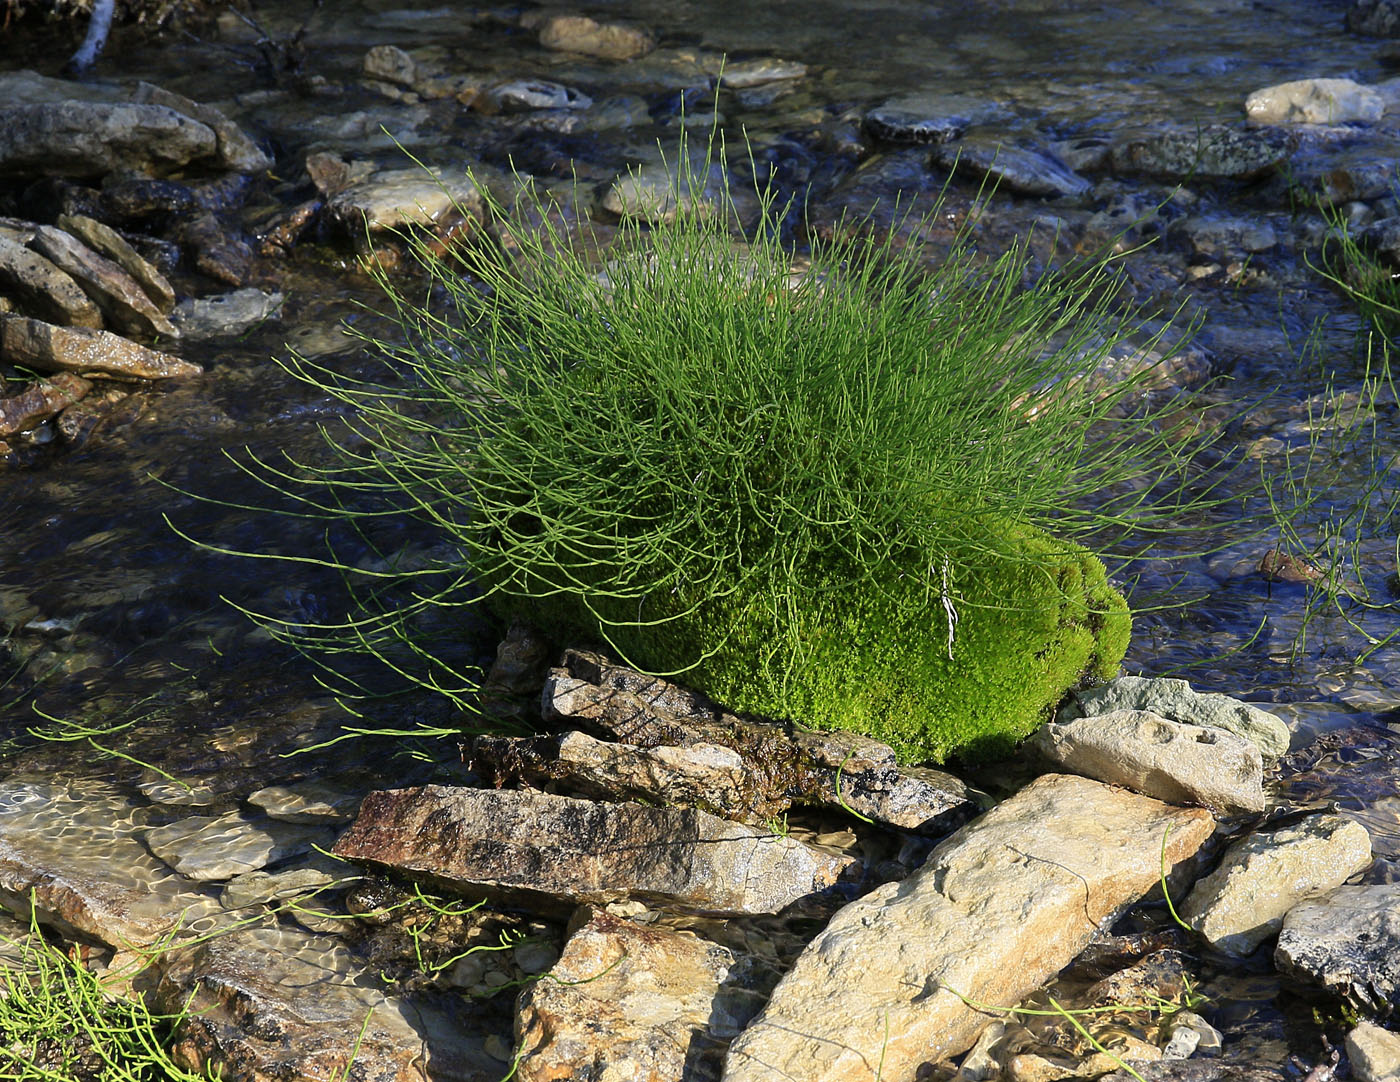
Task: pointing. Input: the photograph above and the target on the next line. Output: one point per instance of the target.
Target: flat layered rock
(91, 139)
(42, 289)
(234, 148)
(1000, 907)
(1264, 875)
(550, 848)
(1176, 700)
(1178, 763)
(929, 118)
(777, 766)
(106, 240)
(118, 294)
(1349, 943)
(395, 198)
(47, 348)
(205, 847)
(636, 1002)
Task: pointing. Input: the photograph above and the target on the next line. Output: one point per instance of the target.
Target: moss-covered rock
(869, 650)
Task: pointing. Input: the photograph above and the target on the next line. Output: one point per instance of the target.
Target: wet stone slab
(220, 847)
(556, 851)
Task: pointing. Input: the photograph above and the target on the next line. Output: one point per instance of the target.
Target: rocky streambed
(670, 891)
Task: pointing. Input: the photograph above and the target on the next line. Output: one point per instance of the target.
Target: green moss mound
(1026, 619)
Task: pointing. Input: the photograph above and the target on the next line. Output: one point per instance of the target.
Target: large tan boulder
(1001, 906)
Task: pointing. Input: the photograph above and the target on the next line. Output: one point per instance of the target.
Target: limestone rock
(1191, 1070)
(1177, 701)
(1012, 168)
(90, 139)
(395, 198)
(1182, 764)
(636, 1002)
(781, 767)
(1262, 876)
(272, 1002)
(114, 246)
(1349, 943)
(236, 151)
(1374, 1053)
(1226, 238)
(306, 802)
(119, 295)
(42, 289)
(47, 348)
(1211, 152)
(929, 118)
(760, 71)
(1000, 907)
(40, 401)
(1314, 101)
(542, 847)
(606, 41)
(206, 847)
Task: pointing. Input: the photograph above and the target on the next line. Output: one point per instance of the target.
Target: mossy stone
(868, 650)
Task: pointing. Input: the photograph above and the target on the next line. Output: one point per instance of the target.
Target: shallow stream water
(122, 630)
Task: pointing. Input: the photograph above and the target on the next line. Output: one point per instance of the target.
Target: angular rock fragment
(1182, 764)
(1349, 943)
(236, 151)
(1176, 700)
(42, 289)
(546, 847)
(225, 313)
(114, 246)
(631, 1001)
(1374, 1053)
(47, 348)
(217, 252)
(1000, 907)
(539, 94)
(91, 139)
(782, 767)
(40, 401)
(1262, 876)
(121, 298)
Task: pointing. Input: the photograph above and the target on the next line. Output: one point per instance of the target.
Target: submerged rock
(1211, 152)
(1349, 943)
(1262, 876)
(220, 847)
(636, 1002)
(779, 766)
(606, 41)
(1314, 101)
(276, 1003)
(225, 313)
(556, 849)
(395, 198)
(1169, 760)
(1000, 907)
(1378, 18)
(1013, 168)
(1176, 700)
(929, 118)
(47, 348)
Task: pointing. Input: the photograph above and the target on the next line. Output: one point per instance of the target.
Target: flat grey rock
(1349, 943)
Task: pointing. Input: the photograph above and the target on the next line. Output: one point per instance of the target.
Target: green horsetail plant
(850, 490)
